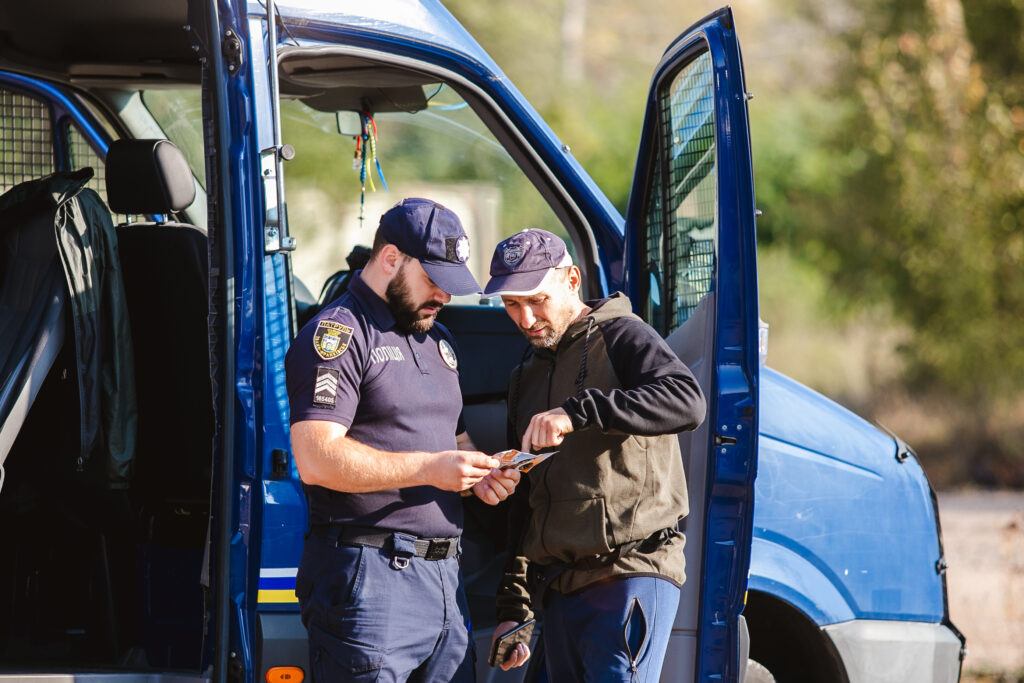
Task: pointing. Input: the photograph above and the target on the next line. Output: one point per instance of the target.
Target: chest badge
(448, 354)
(331, 339)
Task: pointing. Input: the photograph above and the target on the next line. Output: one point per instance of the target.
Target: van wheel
(758, 673)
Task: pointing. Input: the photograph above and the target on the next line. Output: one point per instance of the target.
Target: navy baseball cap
(433, 235)
(521, 263)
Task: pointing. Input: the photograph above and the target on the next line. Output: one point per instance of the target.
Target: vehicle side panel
(831, 491)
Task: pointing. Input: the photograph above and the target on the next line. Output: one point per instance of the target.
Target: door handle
(725, 440)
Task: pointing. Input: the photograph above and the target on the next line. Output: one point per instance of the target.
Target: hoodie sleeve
(513, 598)
(659, 394)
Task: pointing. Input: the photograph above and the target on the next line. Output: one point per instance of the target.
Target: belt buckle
(438, 550)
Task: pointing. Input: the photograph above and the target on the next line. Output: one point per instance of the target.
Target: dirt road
(983, 533)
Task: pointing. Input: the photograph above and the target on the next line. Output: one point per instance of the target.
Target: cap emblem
(456, 249)
(462, 249)
(512, 254)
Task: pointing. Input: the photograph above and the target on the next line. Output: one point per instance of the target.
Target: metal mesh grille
(652, 254)
(81, 154)
(26, 139)
(688, 148)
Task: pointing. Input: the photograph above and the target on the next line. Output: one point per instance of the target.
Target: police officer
(383, 453)
(597, 544)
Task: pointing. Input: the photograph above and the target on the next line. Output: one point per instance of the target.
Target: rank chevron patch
(325, 390)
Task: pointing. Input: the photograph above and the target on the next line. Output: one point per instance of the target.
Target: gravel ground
(983, 536)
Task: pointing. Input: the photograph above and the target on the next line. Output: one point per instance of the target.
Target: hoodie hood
(601, 310)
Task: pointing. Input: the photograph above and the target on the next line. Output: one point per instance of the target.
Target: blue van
(152, 514)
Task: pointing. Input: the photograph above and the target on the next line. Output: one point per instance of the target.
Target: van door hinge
(231, 48)
(236, 668)
(279, 463)
(275, 237)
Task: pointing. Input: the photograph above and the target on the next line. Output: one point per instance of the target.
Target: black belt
(432, 549)
(540, 577)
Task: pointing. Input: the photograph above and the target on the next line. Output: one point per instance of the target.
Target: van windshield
(442, 151)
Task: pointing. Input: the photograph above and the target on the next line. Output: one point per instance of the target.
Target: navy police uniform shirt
(394, 392)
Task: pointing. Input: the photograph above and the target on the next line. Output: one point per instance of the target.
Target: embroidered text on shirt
(382, 354)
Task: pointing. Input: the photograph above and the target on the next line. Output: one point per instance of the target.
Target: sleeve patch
(331, 339)
(325, 389)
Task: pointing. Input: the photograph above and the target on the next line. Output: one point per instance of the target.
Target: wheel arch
(789, 644)
(791, 596)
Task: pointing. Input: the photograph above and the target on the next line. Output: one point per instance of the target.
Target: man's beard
(555, 330)
(549, 339)
(407, 314)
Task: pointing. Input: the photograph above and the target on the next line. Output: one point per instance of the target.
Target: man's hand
(519, 654)
(458, 470)
(497, 486)
(546, 429)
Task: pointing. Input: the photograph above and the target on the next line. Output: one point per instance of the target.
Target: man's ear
(390, 259)
(575, 279)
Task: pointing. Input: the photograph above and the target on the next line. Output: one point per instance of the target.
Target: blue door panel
(678, 110)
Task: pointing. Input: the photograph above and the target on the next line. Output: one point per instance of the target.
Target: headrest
(148, 176)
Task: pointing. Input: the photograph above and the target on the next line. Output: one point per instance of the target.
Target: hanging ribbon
(366, 157)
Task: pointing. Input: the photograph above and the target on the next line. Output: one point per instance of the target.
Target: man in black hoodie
(594, 539)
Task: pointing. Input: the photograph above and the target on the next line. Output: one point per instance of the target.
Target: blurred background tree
(888, 141)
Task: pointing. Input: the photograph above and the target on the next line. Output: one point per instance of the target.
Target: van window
(443, 152)
(681, 223)
(26, 139)
(179, 113)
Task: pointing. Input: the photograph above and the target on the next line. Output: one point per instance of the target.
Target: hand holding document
(520, 460)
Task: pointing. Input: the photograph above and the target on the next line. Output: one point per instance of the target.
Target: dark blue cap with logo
(522, 262)
(433, 235)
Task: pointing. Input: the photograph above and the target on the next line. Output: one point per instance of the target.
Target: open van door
(691, 273)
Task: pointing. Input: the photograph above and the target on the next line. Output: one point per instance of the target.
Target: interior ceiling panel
(67, 36)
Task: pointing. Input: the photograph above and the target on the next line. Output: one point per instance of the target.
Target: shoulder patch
(447, 354)
(331, 339)
(325, 389)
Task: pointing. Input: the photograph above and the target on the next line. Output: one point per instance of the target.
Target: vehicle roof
(425, 21)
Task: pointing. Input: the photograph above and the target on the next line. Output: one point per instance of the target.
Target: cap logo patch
(325, 390)
(512, 254)
(331, 339)
(456, 249)
(462, 249)
(447, 354)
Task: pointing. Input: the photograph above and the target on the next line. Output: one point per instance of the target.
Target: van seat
(164, 267)
(165, 270)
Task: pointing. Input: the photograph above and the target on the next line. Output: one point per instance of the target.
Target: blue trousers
(614, 631)
(369, 620)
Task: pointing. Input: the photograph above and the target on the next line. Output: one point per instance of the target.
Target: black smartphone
(504, 644)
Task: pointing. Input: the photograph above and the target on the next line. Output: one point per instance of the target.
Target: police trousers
(372, 618)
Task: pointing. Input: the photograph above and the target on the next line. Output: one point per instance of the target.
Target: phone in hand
(506, 642)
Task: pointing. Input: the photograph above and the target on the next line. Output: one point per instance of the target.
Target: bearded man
(380, 445)
(595, 542)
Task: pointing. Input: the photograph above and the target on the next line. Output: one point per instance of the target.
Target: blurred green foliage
(931, 207)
